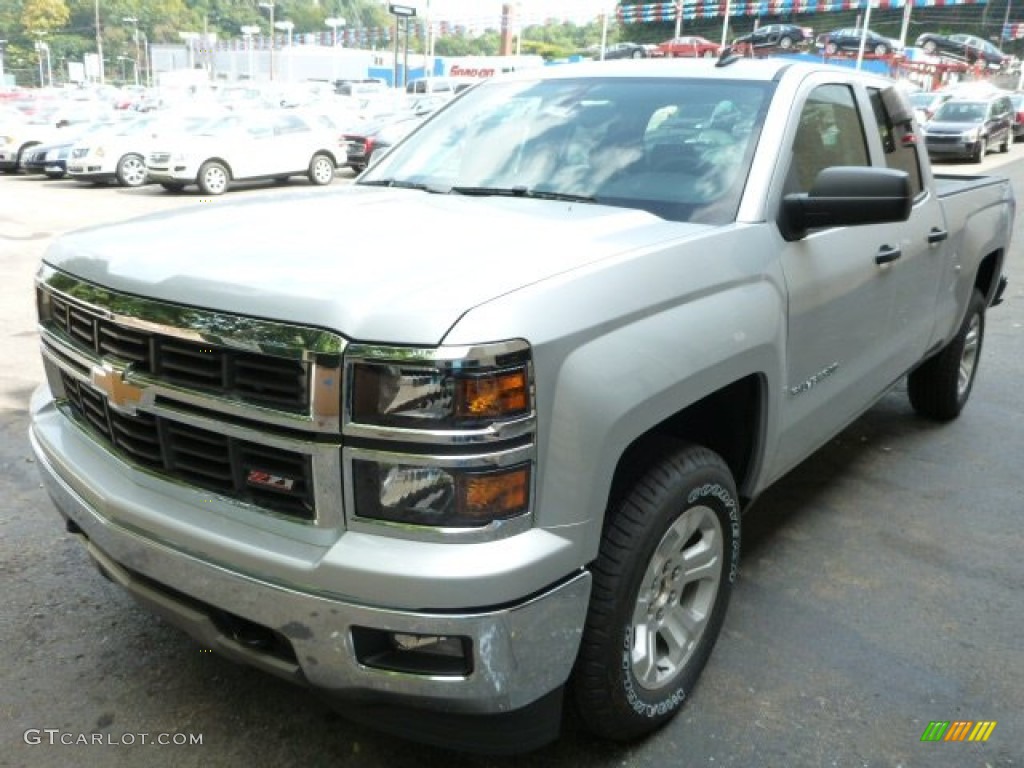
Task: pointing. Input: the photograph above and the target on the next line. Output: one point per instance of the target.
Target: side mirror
(845, 196)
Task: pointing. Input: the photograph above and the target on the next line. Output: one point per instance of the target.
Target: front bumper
(951, 148)
(179, 174)
(519, 653)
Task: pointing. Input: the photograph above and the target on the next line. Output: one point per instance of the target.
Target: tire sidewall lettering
(723, 495)
(643, 708)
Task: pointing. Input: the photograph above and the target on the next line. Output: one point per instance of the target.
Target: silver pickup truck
(474, 434)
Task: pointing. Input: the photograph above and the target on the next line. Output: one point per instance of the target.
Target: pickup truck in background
(490, 455)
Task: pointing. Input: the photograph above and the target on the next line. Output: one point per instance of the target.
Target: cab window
(899, 142)
(830, 132)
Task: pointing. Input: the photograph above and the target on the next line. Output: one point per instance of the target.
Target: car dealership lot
(881, 585)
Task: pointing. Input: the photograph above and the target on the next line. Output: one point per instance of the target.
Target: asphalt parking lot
(882, 588)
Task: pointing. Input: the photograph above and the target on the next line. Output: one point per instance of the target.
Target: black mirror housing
(845, 196)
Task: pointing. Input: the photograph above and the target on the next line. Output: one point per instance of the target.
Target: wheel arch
(729, 421)
(990, 269)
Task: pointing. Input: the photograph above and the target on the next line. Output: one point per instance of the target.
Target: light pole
(43, 48)
(99, 38)
(190, 40)
(270, 7)
(334, 23)
(287, 26)
(249, 31)
(135, 24)
(3, 46)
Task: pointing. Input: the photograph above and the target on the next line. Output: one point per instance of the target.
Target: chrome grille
(264, 380)
(199, 457)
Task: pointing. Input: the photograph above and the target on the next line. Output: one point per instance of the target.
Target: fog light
(411, 653)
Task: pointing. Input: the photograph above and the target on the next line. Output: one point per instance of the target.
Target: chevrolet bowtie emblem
(121, 395)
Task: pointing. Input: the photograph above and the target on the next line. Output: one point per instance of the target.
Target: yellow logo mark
(120, 394)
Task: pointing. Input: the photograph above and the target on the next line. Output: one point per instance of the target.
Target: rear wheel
(214, 178)
(940, 386)
(662, 581)
(637, 54)
(786, 43)
(881, 49)
(831, 49)
(930, 47)
(321, 170)
(1005, 146)
(709, 54)
(131, 171)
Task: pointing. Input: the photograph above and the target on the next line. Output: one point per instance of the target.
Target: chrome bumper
(519, 653)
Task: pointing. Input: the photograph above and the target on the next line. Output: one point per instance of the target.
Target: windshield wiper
(535, 194)
(400, 184)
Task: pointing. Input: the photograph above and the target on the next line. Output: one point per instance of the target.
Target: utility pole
(99, 38)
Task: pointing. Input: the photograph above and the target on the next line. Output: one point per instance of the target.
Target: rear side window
(898, 141)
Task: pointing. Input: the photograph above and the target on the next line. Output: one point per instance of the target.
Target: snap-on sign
(458, 71)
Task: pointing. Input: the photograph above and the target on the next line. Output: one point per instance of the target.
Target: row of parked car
(784, 37)
(211, 147)
(969, 122)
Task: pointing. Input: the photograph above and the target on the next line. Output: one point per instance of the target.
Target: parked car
(51, 159)
(18, 134)
(689, 46)
(784, 36)
(120, 154)
(967, 128)
(274, 144)
(625, 51)
(848, 39)
(375, 136)
(449, 86)
(967, 47)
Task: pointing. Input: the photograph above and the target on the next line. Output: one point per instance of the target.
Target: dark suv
(968, 127)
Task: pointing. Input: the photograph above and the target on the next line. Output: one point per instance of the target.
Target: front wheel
(785, 43)
(981, 151)
(213, 178)
(638, 54)
(831, 49)
(940, 386)
(131, 171)
(321, 170)
(662, 581)
(881, 50)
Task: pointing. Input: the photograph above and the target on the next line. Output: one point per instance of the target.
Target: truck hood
(385, 265)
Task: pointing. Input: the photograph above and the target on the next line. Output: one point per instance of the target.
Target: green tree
(43, 17)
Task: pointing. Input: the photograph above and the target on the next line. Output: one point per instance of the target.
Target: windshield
(961, 112)
(679, 149)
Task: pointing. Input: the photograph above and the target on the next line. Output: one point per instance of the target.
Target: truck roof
(739, 69)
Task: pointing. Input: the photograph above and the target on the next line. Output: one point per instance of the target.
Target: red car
(690, 46)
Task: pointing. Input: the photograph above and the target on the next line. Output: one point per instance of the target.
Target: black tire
(785, 42)
(940, 386)
(1005, 146)
(980, 152)
(54, 174)
(683, 509)
(173, 186)
(214, 178)
(321, 170)
(131, 171)
(637, 54)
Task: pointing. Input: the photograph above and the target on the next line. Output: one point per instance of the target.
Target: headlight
(439, 496)
(179, 158)
(5, 140)
(445, 394)
(440, 438)
(972, 135)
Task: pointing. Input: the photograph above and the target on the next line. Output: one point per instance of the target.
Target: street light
(41, 48)
(270, 6)
(135, 23)
(334, 23)
(3, 46)
(249, 31)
